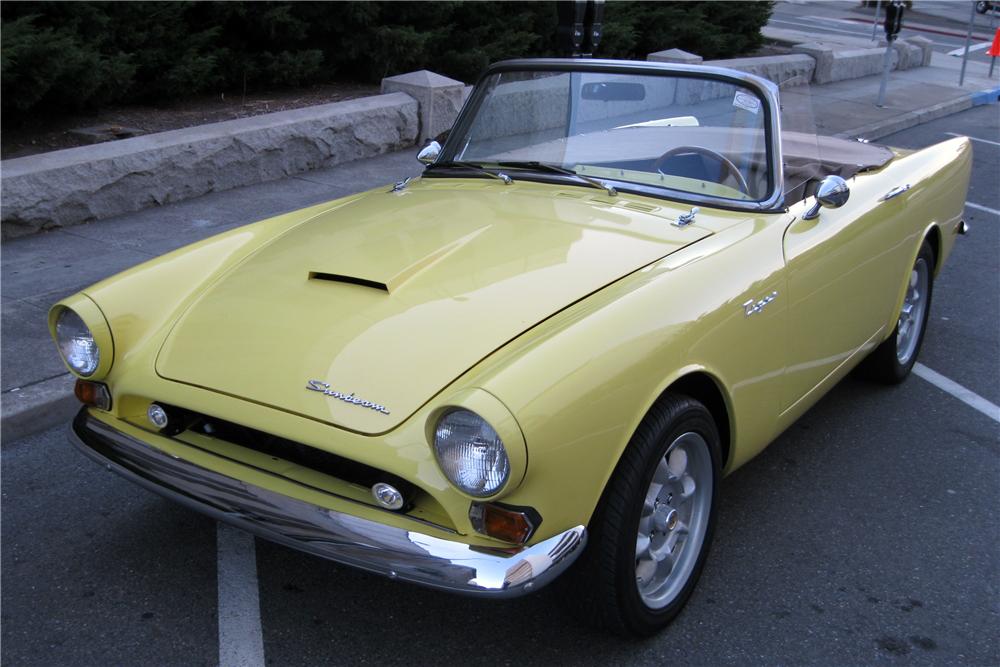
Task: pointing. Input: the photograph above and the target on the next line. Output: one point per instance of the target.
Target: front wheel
(651, 533)
(892, 361)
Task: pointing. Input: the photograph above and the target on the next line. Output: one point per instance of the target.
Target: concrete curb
(988, 96)
(36, 407)
(883, 128)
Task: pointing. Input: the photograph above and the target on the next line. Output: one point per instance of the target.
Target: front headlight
(470, 453)
(76, 343)
(82, 335)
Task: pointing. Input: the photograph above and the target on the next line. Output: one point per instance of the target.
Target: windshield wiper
(542, 166)
(455, 164)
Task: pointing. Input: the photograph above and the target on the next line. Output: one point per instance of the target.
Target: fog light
(388, 496)
(93, 393)
(157, 416)
(503, 523)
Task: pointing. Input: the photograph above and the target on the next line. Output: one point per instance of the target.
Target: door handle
(895, 192)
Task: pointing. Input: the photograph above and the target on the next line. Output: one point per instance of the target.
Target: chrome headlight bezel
(498, 418)
(79, 318)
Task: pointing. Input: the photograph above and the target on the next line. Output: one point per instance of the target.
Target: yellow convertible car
(614, 283)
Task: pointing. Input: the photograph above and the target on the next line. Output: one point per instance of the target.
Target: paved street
(867, 533)
(945, 23)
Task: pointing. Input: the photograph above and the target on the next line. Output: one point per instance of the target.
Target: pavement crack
(33, 383)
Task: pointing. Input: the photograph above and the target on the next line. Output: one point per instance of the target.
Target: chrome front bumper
(368, 545)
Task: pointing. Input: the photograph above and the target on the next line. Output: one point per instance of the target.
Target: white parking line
(241, 642)
(974, 47)
(982, 141)
(967, 396)
(980, 207)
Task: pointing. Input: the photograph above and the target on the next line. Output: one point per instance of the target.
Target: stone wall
(791, 70)
(79, 185)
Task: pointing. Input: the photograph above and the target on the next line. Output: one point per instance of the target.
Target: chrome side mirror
(429, 153)
(831, 193)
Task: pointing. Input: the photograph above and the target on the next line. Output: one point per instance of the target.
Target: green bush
(59, 56)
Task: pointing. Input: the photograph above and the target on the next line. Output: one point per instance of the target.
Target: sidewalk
(39, 270)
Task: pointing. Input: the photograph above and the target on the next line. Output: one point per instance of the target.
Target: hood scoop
(349, 280)
(430, 282)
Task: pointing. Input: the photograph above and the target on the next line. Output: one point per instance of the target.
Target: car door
(843, 276)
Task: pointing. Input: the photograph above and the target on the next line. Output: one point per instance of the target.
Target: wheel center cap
(667, 519)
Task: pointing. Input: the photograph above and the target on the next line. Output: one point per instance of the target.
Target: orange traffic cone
(995, 49)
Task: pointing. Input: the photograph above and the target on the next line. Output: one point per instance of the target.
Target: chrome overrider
(394, 552)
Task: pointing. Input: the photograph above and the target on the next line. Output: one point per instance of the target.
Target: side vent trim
(350, 280)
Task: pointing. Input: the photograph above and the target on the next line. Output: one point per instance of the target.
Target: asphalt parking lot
(868, 532)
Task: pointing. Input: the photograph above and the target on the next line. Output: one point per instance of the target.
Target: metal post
(993, 29)
(878, 9)
(968, 36)
(886, 66)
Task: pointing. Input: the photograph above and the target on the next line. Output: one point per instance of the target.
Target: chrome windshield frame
(773, 202)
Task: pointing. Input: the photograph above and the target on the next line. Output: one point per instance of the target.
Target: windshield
(689, 134)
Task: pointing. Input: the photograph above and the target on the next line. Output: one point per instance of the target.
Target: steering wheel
(709, 153)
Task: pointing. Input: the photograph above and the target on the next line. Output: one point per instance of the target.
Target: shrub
(74, 55)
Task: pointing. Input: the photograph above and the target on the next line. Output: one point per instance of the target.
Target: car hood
(385, 300)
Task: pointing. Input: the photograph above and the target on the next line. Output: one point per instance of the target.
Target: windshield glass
(690, 134)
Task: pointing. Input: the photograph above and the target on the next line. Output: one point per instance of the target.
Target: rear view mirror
(613, 91)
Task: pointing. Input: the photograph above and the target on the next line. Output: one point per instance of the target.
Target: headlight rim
(93, 318)
(499, 417)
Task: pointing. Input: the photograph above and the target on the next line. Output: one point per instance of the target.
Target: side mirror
(831, 193)
(429, 153)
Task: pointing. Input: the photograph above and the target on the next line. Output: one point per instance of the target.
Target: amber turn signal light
(503, 523)
(93, 393)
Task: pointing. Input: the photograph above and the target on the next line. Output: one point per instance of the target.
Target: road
(944, 23)
(866, 533)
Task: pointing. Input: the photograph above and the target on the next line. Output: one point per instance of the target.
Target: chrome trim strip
(394, 552)
(895, 192)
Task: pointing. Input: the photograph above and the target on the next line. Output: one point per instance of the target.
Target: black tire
(601, 588)
(982, 7)
(884, 363)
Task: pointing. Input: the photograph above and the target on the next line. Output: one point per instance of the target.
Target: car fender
(940, 177)
(581, 383)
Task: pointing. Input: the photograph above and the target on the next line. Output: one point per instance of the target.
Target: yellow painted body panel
(463, 273)
(577, 373)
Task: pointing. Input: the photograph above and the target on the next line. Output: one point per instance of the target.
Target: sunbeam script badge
(324, 388)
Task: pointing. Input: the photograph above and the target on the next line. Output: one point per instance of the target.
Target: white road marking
(980, 207)
(241, 642)
(983, 141)
(967, 396)
(974, 47)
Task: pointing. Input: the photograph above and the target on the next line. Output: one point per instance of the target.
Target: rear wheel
(651, 533)
(892, 361)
